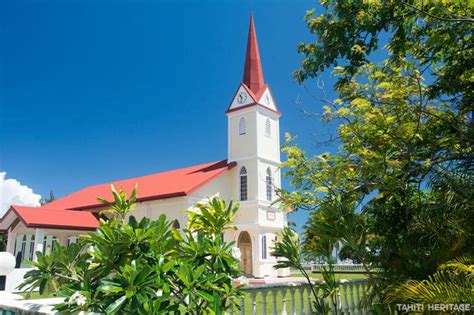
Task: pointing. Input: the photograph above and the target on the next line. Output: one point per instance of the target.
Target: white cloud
(12, 192)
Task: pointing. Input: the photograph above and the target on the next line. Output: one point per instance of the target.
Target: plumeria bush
(144, 267)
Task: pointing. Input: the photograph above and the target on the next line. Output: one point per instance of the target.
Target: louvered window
(269, 184)
(243, 184)
(268, 128)
(242, 126)
(264, 247)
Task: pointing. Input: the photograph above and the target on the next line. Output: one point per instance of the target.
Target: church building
(249, 175)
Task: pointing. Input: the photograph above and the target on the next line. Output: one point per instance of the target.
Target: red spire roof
(253, 73)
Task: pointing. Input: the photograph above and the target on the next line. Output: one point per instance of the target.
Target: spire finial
(253, 73)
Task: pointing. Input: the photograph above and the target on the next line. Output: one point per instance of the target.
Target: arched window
(72, 240)
(268, 128)
(32, 248)
(242, 126)
(268, 181)
(243, 183)
(23, 247)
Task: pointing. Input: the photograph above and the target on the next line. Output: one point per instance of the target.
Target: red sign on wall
(271, 215)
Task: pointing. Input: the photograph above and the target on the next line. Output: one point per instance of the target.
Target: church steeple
(252, 91)
(253, 73)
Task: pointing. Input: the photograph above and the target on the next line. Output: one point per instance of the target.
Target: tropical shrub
(453, 283)
(288, 249)
(143, 267)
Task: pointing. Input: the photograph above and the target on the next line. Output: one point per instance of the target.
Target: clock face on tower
(242, 97)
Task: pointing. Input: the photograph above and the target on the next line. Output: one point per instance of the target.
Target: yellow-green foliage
(452, 283)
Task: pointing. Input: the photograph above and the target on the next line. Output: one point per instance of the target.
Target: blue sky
(95, 91)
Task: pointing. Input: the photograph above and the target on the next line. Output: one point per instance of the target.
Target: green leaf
(115, 306)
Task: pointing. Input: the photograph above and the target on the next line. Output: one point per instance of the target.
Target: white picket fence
(292, 299)
(284, 299)
(338, 268)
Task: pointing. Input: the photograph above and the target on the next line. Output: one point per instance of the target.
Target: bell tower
(254, 144)
(253, 127)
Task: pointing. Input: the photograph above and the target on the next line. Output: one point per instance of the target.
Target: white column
(11, 242)
(49, 245)
(256, 253)
(19, 239)
(39, 236)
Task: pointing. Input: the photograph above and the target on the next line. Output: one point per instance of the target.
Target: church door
(245, 246)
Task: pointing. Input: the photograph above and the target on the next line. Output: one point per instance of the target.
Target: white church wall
(242, 146)
(172, 208)
(222, 186)
(247, 213)
(268, 145)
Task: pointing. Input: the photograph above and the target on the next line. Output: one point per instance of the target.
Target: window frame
(73, 239)
(242, 126)
(269, 184)
(243, 184)
(264, 246)
(32, 248)
(268, 128)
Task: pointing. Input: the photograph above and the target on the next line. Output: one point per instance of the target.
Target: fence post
(253, 302)
(283, 300)
(351, 292)
(301, 292)
(264, 301)
(274, 303)
(292, 300)
(345, 298)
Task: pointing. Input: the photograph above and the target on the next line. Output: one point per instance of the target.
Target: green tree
(402, 178)
(49, 199)
(3, 241)
(143, 267)
(436, 36)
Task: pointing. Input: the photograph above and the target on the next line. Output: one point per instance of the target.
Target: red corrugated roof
(175, 183)
(62, 219)
(63, 213)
